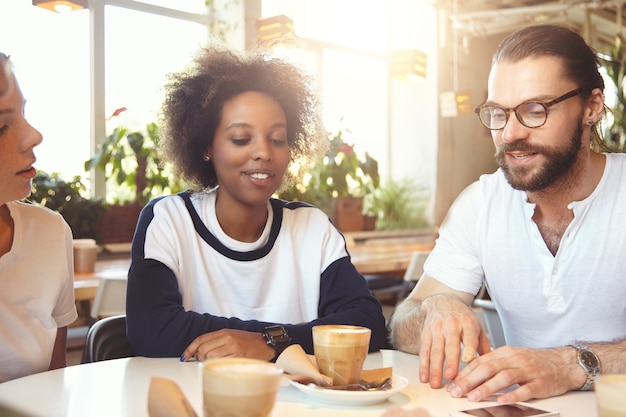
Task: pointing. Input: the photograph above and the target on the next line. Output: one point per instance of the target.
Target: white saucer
(398, 383)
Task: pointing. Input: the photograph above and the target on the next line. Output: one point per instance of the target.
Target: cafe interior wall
(465, 147)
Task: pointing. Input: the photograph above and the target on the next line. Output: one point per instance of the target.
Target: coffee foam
(338, 335)
(245, 368)
(343, 328)
(240, 376)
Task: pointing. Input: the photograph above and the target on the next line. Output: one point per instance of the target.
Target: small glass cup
(239, 387)
(611, 395)
(85, 254)
(340, 351)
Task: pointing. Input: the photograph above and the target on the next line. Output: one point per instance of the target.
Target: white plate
(398, 383)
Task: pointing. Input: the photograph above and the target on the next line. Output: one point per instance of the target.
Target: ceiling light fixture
(61, 6)
(408, 62)
(274, 28)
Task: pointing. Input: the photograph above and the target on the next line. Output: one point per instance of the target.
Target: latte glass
(340, 351)
(239, 387)
(611, 395)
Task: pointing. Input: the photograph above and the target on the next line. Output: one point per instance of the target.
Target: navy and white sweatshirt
(188, 278)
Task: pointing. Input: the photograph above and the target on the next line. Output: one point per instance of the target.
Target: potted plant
(67, 197)
(615, 65)
(338, 182)
(398, 205)
(132, 168)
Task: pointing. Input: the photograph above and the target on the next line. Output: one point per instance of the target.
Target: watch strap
(590, 363)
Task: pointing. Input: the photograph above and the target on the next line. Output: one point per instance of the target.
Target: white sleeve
(454, 260)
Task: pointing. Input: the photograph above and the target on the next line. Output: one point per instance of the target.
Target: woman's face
(250, 152)
(17, 141)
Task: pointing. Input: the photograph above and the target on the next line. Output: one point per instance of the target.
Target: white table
(120, 388)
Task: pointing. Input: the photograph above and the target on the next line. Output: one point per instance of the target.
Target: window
(50, 52)
(147, 39)
(51, 55)
(357, 37)
(140, 50)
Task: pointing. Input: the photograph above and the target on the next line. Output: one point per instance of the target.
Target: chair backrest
(106, 339)
(110, 297)
(416, 266)
(492, 322)
(413, 272)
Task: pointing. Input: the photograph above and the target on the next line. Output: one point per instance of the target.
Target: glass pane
(346, 78)
(141, 50)
(137, 66)
(346, 73)
(50, 52)
(336, 21)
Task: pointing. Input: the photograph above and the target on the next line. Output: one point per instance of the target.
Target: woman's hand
(229, 342)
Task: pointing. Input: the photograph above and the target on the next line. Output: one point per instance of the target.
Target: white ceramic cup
(340, 351)
(611, 395)
(239, 387)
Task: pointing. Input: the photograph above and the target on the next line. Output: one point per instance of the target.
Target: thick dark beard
(558, 164)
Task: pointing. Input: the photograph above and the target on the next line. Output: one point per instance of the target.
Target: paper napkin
(166, 399)
(301, 367)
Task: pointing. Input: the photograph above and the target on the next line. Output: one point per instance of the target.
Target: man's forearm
(612, 356)
(406, 326)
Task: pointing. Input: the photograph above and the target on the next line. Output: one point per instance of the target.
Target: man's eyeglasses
(530, 113)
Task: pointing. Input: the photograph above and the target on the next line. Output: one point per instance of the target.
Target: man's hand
(539, 373)
(229, 342)
(448, 323)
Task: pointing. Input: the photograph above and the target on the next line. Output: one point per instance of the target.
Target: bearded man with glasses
(544, 234)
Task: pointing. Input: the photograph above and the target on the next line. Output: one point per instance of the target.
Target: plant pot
(349, 214)
(117, 224)
(369, 222)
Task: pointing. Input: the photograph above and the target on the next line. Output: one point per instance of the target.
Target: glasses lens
(531, 114)
(493, 117)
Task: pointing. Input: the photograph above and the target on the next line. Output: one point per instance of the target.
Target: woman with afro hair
(225, 269)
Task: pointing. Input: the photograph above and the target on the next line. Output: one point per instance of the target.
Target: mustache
(519, 146)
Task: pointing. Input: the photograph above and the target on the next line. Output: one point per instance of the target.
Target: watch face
(278, 335)
(588, 359)
(275, 332)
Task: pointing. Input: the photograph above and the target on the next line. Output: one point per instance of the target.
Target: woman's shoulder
(34, 211)
(36, 220)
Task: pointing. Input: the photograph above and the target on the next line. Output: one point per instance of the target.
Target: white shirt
(543, 300)
(220, 283)
(36, 290)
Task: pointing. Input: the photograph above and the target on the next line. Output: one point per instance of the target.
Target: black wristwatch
(278, 338)
(590, 363)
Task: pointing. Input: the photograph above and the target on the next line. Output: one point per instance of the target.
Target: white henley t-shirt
(543, 300)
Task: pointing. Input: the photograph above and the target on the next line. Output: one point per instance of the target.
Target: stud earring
(206, 158)
(590, 122)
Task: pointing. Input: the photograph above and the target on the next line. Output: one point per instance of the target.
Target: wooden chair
(106, 340)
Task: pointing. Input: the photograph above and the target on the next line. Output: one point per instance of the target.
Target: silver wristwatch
(590, 363)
